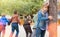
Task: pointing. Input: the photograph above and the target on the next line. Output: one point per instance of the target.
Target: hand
(50, 17)
(8, 23)
(29, 21)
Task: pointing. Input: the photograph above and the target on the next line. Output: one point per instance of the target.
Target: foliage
(22, 6)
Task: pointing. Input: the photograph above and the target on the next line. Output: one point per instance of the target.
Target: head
(28, 17)
(45, 7)
(3, 14)
(15, 12)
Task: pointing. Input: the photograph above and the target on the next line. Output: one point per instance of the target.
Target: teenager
(27, 26)
(42, 21)
(15, 21)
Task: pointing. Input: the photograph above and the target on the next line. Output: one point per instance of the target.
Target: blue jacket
(4, 20)
(42, 20)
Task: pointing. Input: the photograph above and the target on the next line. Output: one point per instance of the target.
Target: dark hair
(15, 12)
(48, 9)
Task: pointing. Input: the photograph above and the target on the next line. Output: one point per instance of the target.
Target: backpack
(35, 17)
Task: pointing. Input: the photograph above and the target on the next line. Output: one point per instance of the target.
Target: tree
(22, 6)
(53, 23)
(53, 9)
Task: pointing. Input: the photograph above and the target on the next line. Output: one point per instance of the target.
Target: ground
(22, 31)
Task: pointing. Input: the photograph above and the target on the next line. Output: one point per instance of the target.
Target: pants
(28, 30)
(40, 33)
(15, 27)
(4, 27)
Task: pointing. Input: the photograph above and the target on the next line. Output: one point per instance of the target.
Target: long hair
(48, 10)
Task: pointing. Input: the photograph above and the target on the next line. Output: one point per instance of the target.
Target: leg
(0, 33)
(26, 31)
(11, 34)
(43, 33)
(38, 32)
(3, 31)
(30, 31)
(34, 33)
(30, 34)
(17, 31)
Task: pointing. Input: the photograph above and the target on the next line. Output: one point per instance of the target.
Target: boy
(15, 21)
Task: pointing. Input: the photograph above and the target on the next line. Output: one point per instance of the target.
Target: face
(45, 9)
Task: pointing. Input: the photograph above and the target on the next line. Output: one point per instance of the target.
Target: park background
(26, 7)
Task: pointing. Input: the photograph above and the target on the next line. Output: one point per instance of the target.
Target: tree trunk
(53, 9)
(53, 23)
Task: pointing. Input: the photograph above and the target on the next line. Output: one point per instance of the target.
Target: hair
(45, 5)
(3, 14)
(48, 9)
(15, 12)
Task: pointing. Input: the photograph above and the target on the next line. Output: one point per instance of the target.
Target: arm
(7, 21)
(10, 20)
(38, 19)
(19, 21)
(42, 18)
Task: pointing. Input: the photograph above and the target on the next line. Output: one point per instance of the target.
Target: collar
(42, 12)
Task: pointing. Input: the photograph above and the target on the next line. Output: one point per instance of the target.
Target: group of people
(14, 21)
(41, 20)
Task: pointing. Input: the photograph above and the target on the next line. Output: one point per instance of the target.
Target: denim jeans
(15, 27)
(40, 33)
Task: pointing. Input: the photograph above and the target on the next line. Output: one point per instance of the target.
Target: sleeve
(7, 20)
(40, 18)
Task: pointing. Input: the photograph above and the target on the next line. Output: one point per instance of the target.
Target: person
(1, 27)
(15, 21)
(35, 24)
(27, 26)
(3, 22)
(42, 21)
